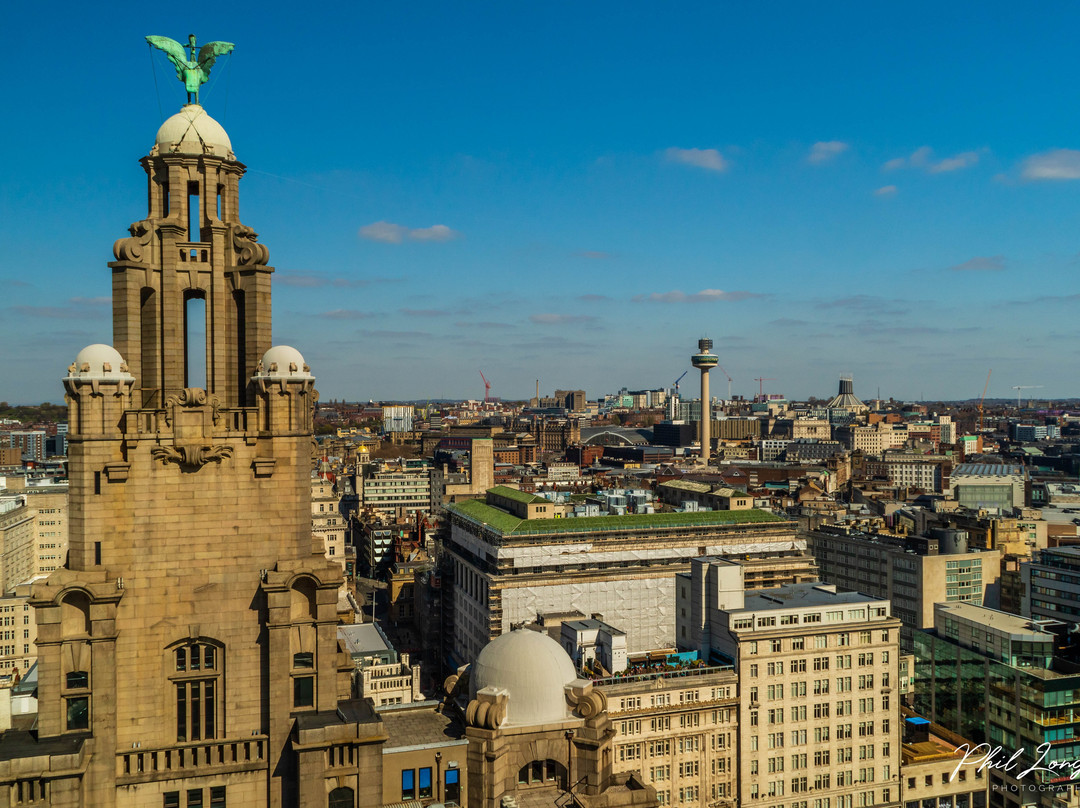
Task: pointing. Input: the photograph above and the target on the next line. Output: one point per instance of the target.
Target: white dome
(99, 362)
(534, 669)
(283, 362)
(192, 131)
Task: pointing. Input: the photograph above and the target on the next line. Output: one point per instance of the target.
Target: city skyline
(579, 195)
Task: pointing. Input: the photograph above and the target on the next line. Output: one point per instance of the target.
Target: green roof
(509, 524)
(516, 495)
(687, 485)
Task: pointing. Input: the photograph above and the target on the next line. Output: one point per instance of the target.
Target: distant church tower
(188, 651)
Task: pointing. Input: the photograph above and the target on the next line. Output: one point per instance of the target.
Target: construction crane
(487, 387)
(728, 381)
(1019, 387)
(679, 380)
(981, 400)
(761, 386)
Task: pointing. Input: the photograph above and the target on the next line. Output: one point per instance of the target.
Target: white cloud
(1057, 164)
(390, 233)
(704, 296)
(981, 263)
(709, 159)
(386, 232)
(437, 232)
(922, 158)
(885, 190)
(955, 163)
(826, 150)
(561, 319)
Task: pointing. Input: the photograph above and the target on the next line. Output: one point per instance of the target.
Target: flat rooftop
(795, 596)
(994, 619)
(362, 638)
(591, 624)
(987, 470)
(483, 514)
(419, 726)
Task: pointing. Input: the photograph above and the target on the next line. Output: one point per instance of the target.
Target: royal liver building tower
(187, 652)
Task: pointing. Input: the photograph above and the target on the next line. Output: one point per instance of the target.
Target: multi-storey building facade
(994, 678)
(1051, 585)
(679, 730)
(327, 521)
(817, 669)
(913, 572)
(33, 535)
(399, 492)
(512, 561)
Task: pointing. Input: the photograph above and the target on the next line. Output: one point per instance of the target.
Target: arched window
(196, 672)
(303, 603)
(304, 611)
(341, 798)
(195, 338)
(75, 615)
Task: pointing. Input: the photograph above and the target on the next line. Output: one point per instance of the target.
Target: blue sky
(577, 192)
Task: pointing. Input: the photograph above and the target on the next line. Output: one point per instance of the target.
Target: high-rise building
(817, 671)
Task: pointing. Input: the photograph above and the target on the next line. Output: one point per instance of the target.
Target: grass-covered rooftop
(507, 523)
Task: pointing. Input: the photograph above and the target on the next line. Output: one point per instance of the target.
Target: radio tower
(704, 360)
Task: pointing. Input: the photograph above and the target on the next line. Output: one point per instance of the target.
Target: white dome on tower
(534, 669)
(192, 131)
(99, 361)
(283, 362)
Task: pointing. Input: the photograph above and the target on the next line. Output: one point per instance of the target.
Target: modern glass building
(993, 678)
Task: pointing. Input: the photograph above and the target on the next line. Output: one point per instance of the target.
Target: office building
(996, 678)
(912, 572)
(397, 492)
(995, 487)
(513, 560)
(817, 668)
(1051, 585)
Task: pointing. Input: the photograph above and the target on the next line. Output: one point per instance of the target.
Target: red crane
(487, 387)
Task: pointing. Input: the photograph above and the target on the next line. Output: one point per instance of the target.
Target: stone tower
(188, 651)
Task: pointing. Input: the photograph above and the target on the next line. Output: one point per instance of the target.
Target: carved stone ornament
(485, 714)
(135, 248)
(587, 703)
(192, 397)
(192, 415)
(247, 250)
(190, 456)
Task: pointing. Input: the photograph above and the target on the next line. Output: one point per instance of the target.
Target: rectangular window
(194, 798)
(425, 783)
(78, 712)
(304, 692)
(217, 797)
(408, 784)
(171, 799)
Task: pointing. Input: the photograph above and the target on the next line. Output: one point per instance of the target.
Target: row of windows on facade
(842, 639)
(197, 680)
(821, 663)
(843, 732)
(418, 784)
